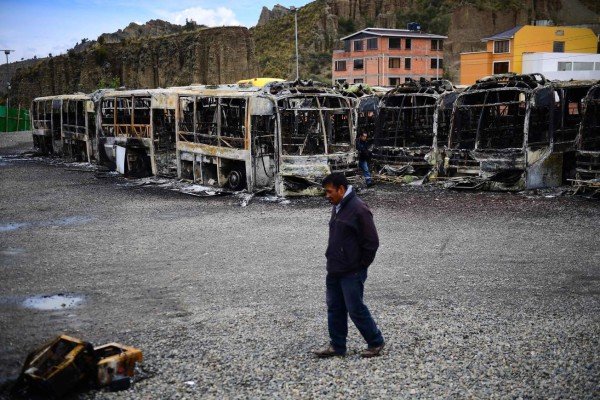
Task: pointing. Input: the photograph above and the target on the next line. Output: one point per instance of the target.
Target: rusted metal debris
(66, 363)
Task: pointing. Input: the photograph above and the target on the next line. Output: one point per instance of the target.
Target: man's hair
(336, 179)
(364, 133)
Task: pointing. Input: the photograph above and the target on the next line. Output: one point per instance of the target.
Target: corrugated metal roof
(394, 33)
(509, 34)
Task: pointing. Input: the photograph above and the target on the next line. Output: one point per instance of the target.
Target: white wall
(547, 65)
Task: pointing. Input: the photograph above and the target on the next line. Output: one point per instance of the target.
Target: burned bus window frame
(397, 115)
(233, 120)
(300, 114)
(504, 128)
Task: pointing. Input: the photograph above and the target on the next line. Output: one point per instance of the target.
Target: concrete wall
(547, 64)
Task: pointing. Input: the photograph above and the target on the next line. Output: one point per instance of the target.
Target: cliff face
(152, 28)
(211, 56)
(267, 15)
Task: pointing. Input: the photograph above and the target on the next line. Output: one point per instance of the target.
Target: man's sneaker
(328, 351)
(370, 183)
(372, 351)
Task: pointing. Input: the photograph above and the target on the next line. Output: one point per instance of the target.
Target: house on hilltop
(388, 57)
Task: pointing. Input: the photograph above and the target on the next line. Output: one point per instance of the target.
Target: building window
(394, 81)
(583, 66)
(358, 45)
(358, 81)
(407, 63)
(394, 43)
(436, 44)
(597, 67)
(347, 46)
(437, 63)
(340, 65)
(358, 64)
(372, 44)
(395, 62)
(502, 46)
(341, 81)
(501, 67)
(565, 66)
(407, 44)
(559, 47)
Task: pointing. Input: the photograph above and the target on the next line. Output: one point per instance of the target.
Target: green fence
(17, 120)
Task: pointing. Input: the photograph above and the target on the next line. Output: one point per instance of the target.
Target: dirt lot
(479, 295)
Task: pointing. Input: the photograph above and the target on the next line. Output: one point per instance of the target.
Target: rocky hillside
(159, 54)
(323, 22)
(211, 56)
(152, 28)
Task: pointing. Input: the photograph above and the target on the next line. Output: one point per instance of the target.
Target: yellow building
(505, 50)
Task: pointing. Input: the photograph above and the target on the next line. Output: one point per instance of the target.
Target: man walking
(364, 156)
(353, 242)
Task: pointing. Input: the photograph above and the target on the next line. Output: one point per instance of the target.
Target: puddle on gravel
(12, 226)
(54, 302)
(73, 220)
(12, 251)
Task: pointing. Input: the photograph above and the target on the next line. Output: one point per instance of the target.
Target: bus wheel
(236, 180)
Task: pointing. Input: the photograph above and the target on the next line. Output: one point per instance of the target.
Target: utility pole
(7, 52)
(295, 10)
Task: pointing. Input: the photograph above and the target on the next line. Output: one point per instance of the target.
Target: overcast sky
(38, 27)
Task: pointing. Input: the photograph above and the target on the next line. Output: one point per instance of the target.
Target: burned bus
(286, 135)
(365, 101)
(588, 141)
(45, 124)
(136, 131)
(569, 100)
(515, 132)
(64, 125)
(409, 116)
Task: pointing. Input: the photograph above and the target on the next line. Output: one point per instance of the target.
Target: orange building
(505, 50)
(388, 57)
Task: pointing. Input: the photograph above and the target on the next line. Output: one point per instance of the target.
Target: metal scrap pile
(66, 363)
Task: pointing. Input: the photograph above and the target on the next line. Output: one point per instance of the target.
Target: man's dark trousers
(345, 297)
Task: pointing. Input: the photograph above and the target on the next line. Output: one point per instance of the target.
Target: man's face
(333, 194)
(363, 137)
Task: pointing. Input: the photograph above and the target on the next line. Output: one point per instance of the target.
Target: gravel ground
(479, 295)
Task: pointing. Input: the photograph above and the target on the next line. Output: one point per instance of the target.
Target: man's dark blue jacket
(363, 150)
(353, 239)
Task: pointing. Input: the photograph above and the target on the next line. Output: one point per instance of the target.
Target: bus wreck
(64, 125)
(285, 135)
(489, 138)
(365, 100)
(409, 116)
(515, 132)
(588, 142)
(136, 131)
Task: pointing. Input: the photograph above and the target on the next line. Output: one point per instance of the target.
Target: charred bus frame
(284, 135)
(409, 117)
(65, 124)
(588, 140)
(515, 132)
(136, 131)
(45, 124)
